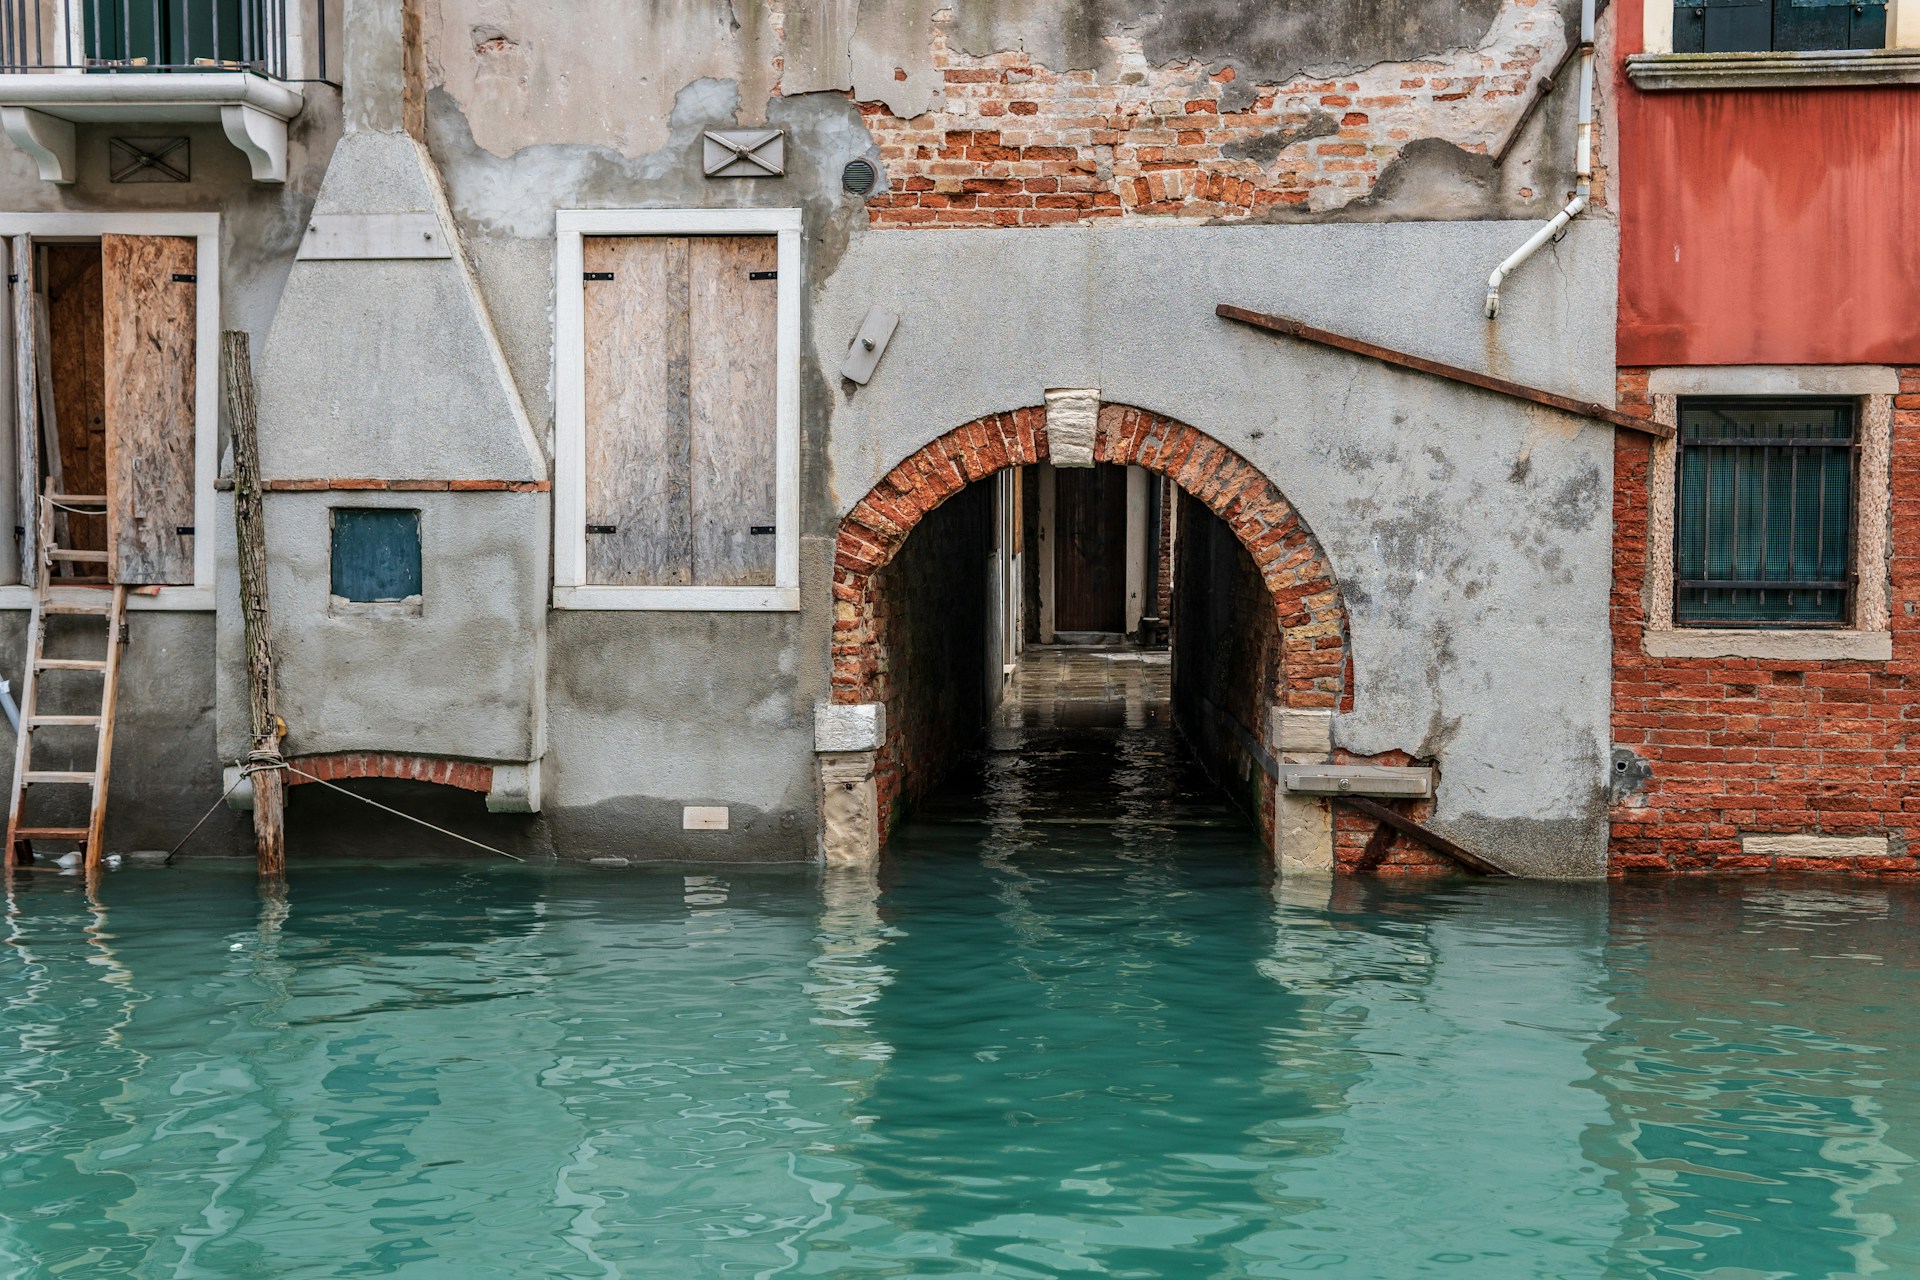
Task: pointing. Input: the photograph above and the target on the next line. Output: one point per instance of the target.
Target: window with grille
(1763, 526)
(1760, 26)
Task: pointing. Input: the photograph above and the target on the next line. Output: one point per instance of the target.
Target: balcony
(239, 63)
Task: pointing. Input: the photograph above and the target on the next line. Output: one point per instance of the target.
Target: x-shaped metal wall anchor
(745, 153)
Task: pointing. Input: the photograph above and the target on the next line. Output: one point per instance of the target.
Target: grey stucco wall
(461, 678)
(648, 712)
(1470, 534)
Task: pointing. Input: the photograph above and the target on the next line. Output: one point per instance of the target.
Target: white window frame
(570, 587)
(1656, 33)
(204, 229)
(1869, 637)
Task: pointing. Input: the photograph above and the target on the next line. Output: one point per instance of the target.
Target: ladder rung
(36, 721)
(71, 664)
(50, 833)
(55, 775)
(79, 499)
(85, 557)
(69, 606)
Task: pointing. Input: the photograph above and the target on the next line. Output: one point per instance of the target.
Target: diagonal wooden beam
(1425, 835)
(1434, 368)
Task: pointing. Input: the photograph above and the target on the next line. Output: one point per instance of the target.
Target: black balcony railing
(159, 36)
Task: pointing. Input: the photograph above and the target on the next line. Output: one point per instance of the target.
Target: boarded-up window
(150, 303)
(680, 345)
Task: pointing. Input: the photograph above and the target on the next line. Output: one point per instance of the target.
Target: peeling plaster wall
(1470, 534)
(647, 712)
(1322, 102)
(1468, 531)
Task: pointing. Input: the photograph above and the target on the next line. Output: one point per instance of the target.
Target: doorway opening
(104, 336)
(1094, 642)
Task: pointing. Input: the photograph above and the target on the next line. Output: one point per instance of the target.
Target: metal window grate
(1763, 525)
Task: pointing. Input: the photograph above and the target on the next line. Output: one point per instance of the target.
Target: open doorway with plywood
(104, 368)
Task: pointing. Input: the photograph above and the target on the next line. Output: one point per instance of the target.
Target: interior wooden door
(77, 371)
(1090, 553)
(149, 305)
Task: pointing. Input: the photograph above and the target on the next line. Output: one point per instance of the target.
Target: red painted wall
(1766, 227)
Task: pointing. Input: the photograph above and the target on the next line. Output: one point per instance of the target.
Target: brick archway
(1306, 600)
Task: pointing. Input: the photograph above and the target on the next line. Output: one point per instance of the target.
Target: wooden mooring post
(250, 535)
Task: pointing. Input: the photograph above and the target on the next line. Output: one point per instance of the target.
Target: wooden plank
(732, 323)
(250, 543)
(1376, 850)
(26, 408)
(1452, 373)
(12, 514)
(638, 431)
(76, 366)
(1425, 835)
(49, 421)
(109, 707)
(149, 403)
(20, 848)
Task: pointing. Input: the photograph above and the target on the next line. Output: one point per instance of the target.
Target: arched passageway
(1261, 625)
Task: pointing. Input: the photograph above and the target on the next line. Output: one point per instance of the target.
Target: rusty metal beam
(1433, 368)
(1425, 835)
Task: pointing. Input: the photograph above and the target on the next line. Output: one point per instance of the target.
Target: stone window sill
(1842, 68)
(1786, 646)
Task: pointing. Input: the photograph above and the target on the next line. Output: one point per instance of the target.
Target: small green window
(1779, 26)
(376, 554)
(1763, 520)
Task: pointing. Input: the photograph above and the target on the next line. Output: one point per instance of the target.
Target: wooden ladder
(89, 596)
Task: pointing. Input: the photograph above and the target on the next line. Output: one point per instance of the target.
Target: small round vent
(858, 177)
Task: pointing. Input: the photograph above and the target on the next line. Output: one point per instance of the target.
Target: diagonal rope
(398, 814)
(259, 763)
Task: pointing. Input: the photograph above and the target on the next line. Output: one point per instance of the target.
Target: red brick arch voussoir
(1306, 598)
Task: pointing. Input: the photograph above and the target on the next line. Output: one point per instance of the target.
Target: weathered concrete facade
(1062, 195)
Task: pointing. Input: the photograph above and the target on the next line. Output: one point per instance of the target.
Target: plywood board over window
(149, 407)
(680, 401)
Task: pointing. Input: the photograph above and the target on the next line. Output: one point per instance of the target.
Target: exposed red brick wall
(929, 645)
(1760, 746)
(464, 774)
(1226, 658)
(1352, 830)
(1307, 609)
(1022, 144)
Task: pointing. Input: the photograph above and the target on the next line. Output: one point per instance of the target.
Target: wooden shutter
(149, 406)
(26, 406)
(733, 324)
(638, 427)
(680, 397)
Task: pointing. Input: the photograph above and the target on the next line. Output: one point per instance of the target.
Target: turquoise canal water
(1102, 1054)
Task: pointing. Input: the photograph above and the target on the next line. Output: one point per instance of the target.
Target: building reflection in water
(1760, 1075)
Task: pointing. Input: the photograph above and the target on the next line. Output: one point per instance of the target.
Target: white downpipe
(1582, 169)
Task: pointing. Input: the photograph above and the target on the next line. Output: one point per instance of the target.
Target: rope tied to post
(258, 761)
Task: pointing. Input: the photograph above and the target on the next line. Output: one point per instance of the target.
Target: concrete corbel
(262, 138)
(48, 139)
(515, 789)
(1302, 824)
